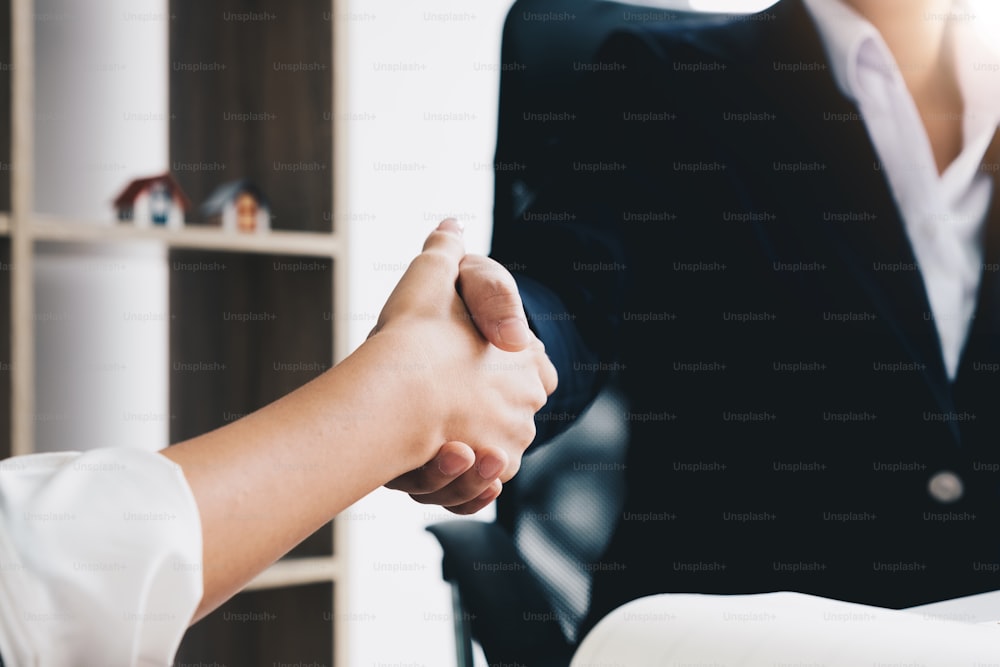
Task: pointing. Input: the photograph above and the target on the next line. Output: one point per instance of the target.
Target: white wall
(406, 172)
(101, 312)
(409, 62)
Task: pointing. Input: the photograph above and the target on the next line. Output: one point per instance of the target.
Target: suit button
(945, 487)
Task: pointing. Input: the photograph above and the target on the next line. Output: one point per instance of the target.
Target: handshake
(439, 402)
(454, 332)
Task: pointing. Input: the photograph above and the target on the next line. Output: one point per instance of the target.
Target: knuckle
(551, 382)
(444, 242)
(497, 292)
(433, 259)
(512, 469)
(421, 491)
(421, 498)
(499, 295)
(526, 434)
(539, 400)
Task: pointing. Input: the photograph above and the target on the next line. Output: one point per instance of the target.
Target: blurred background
(361, 124)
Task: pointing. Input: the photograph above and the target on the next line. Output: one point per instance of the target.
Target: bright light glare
(987, 20)
(736, 6)
(712, 6)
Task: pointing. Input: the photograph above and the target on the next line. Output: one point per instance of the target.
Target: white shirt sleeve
(100, 558)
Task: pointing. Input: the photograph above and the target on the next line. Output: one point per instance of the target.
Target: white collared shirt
(943, 213)
(100, 558)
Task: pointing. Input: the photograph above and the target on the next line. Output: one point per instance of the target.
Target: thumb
(491, 296)
(428, 275)
(446, 238)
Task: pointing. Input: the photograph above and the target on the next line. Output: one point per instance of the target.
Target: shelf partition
(275, 242)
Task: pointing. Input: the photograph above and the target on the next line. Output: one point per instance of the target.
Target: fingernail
(490, 467)
(514, 332)
(451, 464)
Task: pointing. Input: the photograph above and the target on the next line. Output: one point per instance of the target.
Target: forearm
(424, 382)
(265, 482)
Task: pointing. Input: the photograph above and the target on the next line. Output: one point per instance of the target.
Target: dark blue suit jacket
(717, 231)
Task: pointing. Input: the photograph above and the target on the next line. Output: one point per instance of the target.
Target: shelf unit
(277, 242)
(300, 593)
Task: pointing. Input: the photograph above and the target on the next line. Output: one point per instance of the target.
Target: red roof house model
(156, 200)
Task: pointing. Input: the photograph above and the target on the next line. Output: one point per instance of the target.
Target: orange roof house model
(238, 206)
(153, 201)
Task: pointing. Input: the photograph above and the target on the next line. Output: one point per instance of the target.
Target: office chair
(521, 584)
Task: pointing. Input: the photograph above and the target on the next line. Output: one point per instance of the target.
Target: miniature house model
(157, 200)
(237, 206)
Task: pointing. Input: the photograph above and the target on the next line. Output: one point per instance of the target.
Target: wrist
(394, 383)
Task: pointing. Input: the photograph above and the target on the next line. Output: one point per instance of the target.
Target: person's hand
(491, 297)
(492, 395)
(459, 478)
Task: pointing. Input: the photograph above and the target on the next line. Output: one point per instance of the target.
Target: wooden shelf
(304, 596)
(278, 242)
(295, 572)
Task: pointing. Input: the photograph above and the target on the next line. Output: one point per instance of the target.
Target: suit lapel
(812, 112)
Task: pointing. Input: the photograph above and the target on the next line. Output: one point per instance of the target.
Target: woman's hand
(470, 391)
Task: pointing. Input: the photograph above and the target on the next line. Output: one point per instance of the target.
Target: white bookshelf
(25, 229)
(279, 242)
